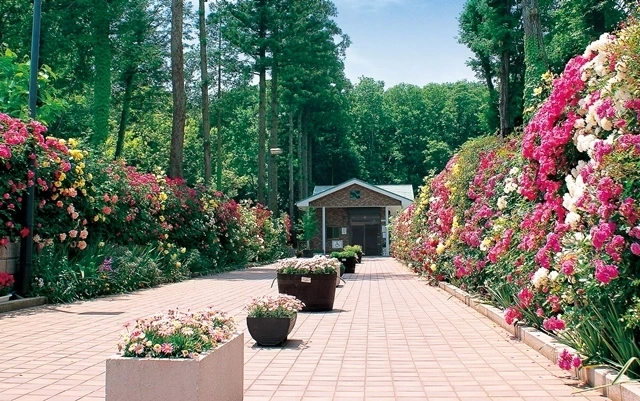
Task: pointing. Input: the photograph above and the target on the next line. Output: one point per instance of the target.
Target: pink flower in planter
(553, 323)
(166, 348)
(565, 360)
(511, 315)
(525, 295)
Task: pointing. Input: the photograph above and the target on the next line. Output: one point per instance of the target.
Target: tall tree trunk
(535, 57)
(262, 107)
(204, 75)
(219, 122)
(494, 96)
(291, 192)
(102, 80)
(179, 95)
(124, 116)
(300, 157)
(308, 177)
(273, 141)
(305, 159)
(505, 118)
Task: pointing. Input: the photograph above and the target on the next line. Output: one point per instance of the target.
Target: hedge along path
(390, 337)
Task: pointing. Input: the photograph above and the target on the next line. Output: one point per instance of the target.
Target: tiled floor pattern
(390, 337)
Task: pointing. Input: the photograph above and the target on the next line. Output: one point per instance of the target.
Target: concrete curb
(548, 346)
(17, 304)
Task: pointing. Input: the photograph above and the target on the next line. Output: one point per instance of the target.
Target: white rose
(606, 124)
(502, 203)
(540, 277)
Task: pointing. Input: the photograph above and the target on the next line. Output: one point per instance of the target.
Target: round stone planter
(213, 376)
(270, 331)
(317, 291)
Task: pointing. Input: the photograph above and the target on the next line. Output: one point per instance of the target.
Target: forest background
(271, 73)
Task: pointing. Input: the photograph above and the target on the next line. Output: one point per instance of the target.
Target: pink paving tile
(390, 337)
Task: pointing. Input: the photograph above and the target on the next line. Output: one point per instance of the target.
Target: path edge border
(17, 304)
(550, 348)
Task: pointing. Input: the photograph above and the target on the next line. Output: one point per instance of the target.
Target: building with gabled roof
(355, 213)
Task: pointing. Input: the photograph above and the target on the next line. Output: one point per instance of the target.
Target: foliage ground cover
(103, 227)
(546, 223)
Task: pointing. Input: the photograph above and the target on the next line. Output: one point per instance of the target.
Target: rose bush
(84, 202)
(547, 223)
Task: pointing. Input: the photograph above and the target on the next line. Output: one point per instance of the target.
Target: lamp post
(23, 279)
(273, 180)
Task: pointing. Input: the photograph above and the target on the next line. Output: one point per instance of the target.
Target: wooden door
(372, 239)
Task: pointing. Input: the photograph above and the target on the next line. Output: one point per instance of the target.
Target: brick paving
(390, 337)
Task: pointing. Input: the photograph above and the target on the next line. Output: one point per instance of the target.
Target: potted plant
(357, 249)
(6, 284)
(348, 259)
(270, 319)
(313, 281)
(194, 356)
(309, 229)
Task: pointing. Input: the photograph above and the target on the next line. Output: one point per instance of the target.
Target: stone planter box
(214, 376)
(317, 291)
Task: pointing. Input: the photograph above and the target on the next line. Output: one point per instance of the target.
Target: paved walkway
(390, 337)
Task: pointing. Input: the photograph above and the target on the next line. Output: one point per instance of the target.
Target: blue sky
(411, 41)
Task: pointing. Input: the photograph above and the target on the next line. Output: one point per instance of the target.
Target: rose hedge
(547, 223)
(84, 202)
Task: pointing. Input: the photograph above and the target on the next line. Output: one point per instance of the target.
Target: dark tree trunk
(204, 75)
(505, 117)
(273, 141)
(291, 192)
(305, 159)
(300, 157)
(262, 107)
(179, 95)
(124, 116)
(535, 57)
(102, 80)
(219, 122)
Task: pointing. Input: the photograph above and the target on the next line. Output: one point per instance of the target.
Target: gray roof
(406, 191)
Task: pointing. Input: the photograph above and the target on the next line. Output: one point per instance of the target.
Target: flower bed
(547, 224)
(84, 203)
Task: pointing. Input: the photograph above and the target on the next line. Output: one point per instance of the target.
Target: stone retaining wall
(9, 257)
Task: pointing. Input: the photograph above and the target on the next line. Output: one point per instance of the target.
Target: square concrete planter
(215, 376)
